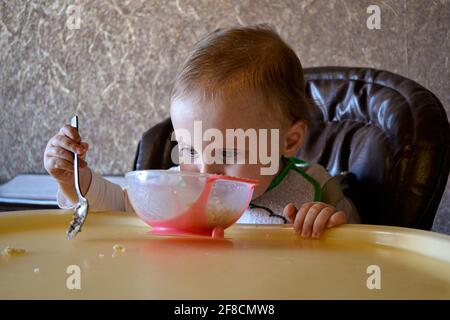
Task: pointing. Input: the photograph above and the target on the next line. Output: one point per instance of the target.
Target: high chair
(385, 137)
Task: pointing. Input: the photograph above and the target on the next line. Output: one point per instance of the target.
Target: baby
(239, 78)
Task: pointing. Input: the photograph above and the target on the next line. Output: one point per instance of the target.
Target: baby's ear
(294, 139)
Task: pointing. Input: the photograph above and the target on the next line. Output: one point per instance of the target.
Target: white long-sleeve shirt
(104, 195)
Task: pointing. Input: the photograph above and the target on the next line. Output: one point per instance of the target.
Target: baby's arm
(102, 195)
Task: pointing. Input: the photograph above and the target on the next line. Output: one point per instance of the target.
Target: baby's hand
(58, 155)
(313, 218)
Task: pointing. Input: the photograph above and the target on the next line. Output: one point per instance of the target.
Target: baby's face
(239, 111)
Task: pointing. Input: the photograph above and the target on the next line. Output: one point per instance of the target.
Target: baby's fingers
(321, 221)
(310, 217)
(337, 218)
(301, 215)
(67, 144)
(60, 164)
(59, 152)
(71, 133)
(84, 146)
(290, 212)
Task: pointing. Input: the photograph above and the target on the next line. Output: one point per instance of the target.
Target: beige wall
(116, 71)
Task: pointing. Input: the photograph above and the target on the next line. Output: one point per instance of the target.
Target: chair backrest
(388, 131)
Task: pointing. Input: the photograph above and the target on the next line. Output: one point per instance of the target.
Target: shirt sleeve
(103, 195)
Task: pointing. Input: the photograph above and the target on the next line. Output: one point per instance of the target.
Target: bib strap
(297, 164)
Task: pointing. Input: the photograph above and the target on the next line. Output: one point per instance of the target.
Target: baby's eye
(230, 155)
(190, 152)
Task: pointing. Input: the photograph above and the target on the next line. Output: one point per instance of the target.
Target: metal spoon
(81, 209)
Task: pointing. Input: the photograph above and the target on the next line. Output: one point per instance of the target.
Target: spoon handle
(76, 175)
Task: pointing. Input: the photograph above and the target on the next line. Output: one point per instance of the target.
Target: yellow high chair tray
(115, 257)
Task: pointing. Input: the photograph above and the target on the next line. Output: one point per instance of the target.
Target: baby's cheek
(189, 168)
(253, 172)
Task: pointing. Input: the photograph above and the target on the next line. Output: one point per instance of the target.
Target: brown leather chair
(390, 133)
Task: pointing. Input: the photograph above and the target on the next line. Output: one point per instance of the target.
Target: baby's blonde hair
(248, 58)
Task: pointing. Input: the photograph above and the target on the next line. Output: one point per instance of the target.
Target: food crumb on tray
(118, 248)
(10, 251)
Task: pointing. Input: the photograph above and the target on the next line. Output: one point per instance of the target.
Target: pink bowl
(174, 202)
